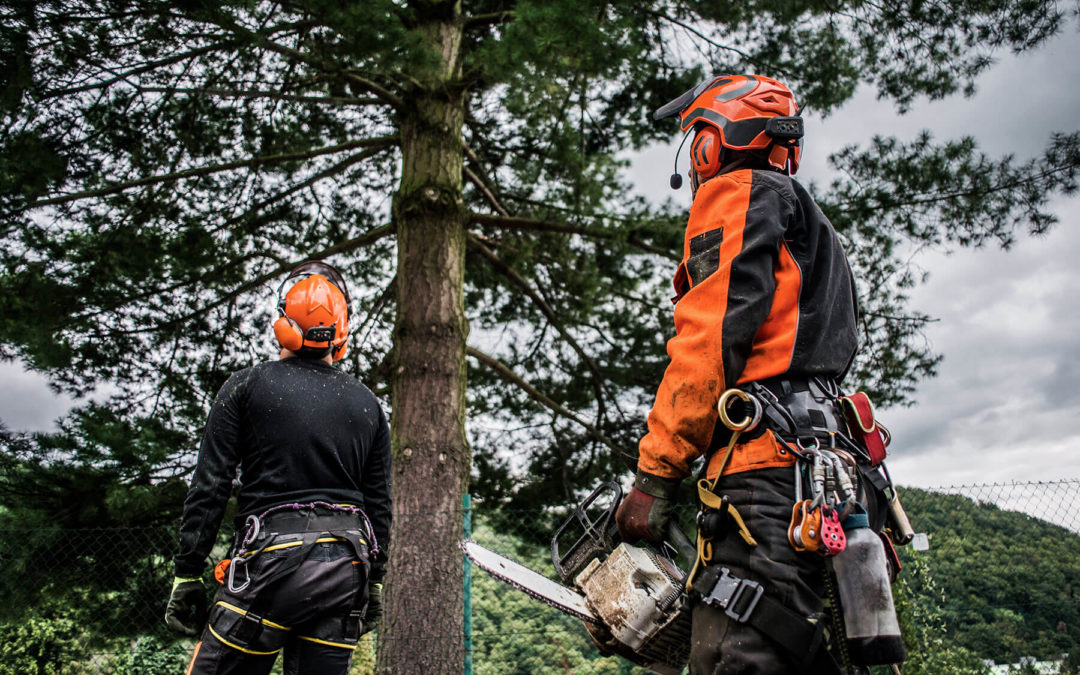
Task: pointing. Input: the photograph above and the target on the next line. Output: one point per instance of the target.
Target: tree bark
(422, 629)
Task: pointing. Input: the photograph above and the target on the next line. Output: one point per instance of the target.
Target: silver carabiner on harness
(817, 480)
(844, 486)
(231, 579)
(252, 527)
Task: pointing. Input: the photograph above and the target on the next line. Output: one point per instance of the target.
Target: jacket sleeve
(214, 472)
(376, 488)
(725, 287)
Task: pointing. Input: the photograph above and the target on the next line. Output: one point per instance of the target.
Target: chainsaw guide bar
(532, 583)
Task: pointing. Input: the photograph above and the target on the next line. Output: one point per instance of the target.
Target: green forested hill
(1007, 583)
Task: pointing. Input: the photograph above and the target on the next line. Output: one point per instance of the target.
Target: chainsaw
(631, 599)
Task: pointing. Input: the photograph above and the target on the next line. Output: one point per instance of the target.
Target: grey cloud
(28, 404)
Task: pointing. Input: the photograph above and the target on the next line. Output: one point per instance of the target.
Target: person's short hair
(313, 353)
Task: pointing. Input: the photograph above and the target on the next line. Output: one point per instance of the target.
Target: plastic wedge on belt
(532, 583)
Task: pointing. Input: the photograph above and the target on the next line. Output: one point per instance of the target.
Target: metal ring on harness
(750, 421)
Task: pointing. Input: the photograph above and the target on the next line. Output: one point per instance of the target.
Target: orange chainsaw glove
(646, 511)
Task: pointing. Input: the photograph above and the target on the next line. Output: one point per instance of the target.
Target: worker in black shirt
(304, 575)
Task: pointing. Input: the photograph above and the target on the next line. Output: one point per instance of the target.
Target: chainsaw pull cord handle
(706, 489)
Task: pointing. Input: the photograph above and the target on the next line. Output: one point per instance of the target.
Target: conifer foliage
(164, 163)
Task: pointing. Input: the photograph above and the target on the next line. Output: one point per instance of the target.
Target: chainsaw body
(636, 594)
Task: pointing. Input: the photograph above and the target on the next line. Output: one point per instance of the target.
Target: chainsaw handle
(592, 538)
(678, 540)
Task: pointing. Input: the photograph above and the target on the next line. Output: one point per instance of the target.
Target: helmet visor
(319, 267)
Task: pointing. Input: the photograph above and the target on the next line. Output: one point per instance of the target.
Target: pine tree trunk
(422, 629)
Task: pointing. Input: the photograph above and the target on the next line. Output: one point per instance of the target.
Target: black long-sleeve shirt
(300, 431)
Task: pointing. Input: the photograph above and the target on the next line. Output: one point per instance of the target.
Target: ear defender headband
(289, 334)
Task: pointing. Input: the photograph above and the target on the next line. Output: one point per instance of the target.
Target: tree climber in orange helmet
(765, 301)
(304, 573)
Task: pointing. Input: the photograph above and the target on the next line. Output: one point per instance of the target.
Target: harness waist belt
(294, 522)
(800, 408)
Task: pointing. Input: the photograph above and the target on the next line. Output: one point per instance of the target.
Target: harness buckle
(730, 591)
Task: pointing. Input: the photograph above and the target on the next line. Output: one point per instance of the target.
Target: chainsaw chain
(537, 596)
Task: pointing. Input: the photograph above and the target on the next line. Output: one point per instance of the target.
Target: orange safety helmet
(739, 112)
(315, 311)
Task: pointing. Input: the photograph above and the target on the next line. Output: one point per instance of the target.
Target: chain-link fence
(1000, 581)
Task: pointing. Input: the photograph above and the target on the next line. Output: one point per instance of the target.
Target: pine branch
(266, 43)
(528, 224)
(481, 180)
(487, 19)
(345, 246)
(548, 312)
(508, 375)
(255, 93)
(152, 65)
(383, 93)
(930, 198)
(311, 180)
(713, 43)
(486, 192)
(382, 142)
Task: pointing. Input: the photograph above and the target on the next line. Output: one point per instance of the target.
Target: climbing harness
(255, 531)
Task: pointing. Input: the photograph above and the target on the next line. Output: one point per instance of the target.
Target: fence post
(466, 507)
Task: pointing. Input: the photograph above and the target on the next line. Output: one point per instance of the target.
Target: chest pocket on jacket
(704, 255)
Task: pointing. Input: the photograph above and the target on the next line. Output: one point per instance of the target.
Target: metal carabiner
(231, 580)
(812, 449)
(817, 480)
(844, 486)
(798, 481)
(252, 528)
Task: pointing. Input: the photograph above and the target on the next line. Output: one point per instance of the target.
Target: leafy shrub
(38, 645)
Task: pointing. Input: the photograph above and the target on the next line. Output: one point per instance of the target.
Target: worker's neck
(289, 354)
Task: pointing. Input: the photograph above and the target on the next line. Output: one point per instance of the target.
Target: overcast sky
(1006, 402)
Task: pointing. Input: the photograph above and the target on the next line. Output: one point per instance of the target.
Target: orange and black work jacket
(764, 289)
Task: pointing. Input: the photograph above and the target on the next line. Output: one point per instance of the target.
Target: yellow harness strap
(707, 496)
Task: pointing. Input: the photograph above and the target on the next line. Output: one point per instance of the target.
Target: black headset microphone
(676, 179)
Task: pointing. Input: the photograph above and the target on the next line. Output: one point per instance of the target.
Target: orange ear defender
(705, 152)
(315, 311)
(288, 334)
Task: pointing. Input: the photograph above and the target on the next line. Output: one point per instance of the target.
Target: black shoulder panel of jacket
(299, 431)
(828, 304)
(791, 301)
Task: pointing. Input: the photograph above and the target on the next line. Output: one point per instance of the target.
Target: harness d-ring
(747, 423)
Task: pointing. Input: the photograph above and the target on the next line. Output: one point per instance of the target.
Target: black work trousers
(724, 646)
(308, 614)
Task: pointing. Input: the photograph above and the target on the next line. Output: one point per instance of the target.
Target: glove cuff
(183, 580)
(656, 486)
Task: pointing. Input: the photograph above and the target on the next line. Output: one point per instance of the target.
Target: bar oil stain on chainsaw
(631, 599)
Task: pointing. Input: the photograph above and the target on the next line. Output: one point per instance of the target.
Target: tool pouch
(242, 629)
(859, 413)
